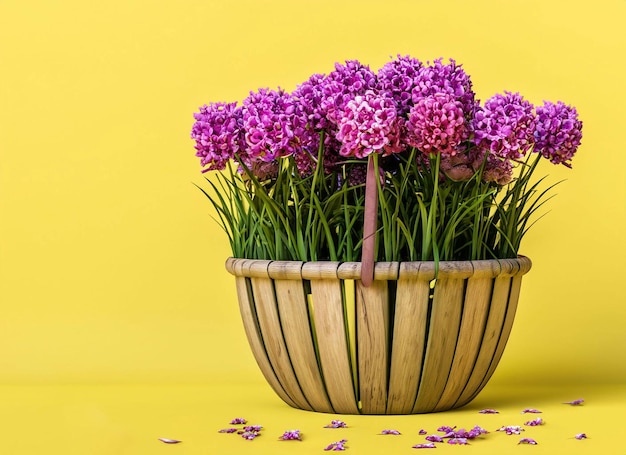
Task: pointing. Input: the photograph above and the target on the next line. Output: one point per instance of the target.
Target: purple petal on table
(169, 441)
(575, 402)
(423, 432)
(511, 429)
(254, 428)
(446, 429)
(527, 441)
(291, 435)
(581, 436)
(395, 432)
(250, 435)
(429, 445)
(336, 424)
(228, 430)
(531, 411)
(460, 441)
(534, 422)
(488, 411)
(434, 438)
(238, 421)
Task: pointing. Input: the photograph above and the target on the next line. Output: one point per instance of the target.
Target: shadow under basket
(407, 344)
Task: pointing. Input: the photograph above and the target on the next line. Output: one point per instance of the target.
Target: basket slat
(372, 314)
(493, 329)
(296, 327)
(409, 330)
(256, 342)
(328, 316)
(473, 320)
(271, 331)
(442, 336)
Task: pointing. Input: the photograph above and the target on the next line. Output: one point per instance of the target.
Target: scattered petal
(169, 441)
(460, 441)
(339, 445)
(396, 432)
(488, 411)
(531, 411)
(254, 428)
(534, 422)
(336, 424)
(291, 435)
(511, 429)
(250, 435)
(423, 432)
(446, 429)
(434, 438)
(429, 445)
(228, 430)
(578, 402)
(581, 436)
(527, 441)
(475, 432)
(238, 421)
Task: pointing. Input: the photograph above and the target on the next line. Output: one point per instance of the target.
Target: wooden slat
(328, 316)
(473, 320)
(372, 315)
(409, 330)
(294, 316)
(271, 331)
(442, 336)
(493, 329)
(251, 328)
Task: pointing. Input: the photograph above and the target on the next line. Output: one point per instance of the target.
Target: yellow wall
(112, 270)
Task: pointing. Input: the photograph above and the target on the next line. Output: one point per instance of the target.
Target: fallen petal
(511, 429)
(446, 429)
(227, 430)
(336, 424)
(430, 445)
(238, 421)
(396, 432)
(581, 436)
(423, 432)
(253, 428)
(527, 441)
(534, 423)
(531, 411)
(575, 402)
(291, 435)
(434, 438)
(250, 435)
(460, 441)
(170, 441)
(488, 411)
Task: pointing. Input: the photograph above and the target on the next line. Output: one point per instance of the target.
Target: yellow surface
(111, 270)
(129, 419)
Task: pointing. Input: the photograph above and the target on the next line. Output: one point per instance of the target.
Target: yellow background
(111, 270)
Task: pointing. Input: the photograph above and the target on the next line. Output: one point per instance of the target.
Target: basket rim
(299, 270)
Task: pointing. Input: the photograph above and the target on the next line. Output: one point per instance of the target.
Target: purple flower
(511, 429)
(342, 85)
(578, 402)
(394, 432)
(422, 432)
(275, 126)
(445, 78)
(228, 430)
(398, 78)
(218, 132)
(434, 438)
(369, 125)
(558, 132)
(531, 411)
(339, 445)
(430, 445)
(581, 436)
(238, 421)
(437, 124)
(291, 435)
(505, 125)
(488, 411)
(527, 441)
(460, 441)
(336, 424)
(309, 95)
(534, 423)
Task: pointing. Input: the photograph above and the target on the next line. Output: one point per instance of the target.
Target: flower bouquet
(397, 200)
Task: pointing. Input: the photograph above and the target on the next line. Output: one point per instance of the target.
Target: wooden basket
(407, 344)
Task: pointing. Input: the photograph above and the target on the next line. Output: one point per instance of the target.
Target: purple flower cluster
(406, 104)
(505, 125)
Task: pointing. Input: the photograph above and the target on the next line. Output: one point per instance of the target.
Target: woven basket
(407, 344)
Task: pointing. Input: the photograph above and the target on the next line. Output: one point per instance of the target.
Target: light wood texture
(442, 335)
(372, 316)
(272, 333)
(296, 327)
(328, 315)
(251, 328)
(409, 330)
